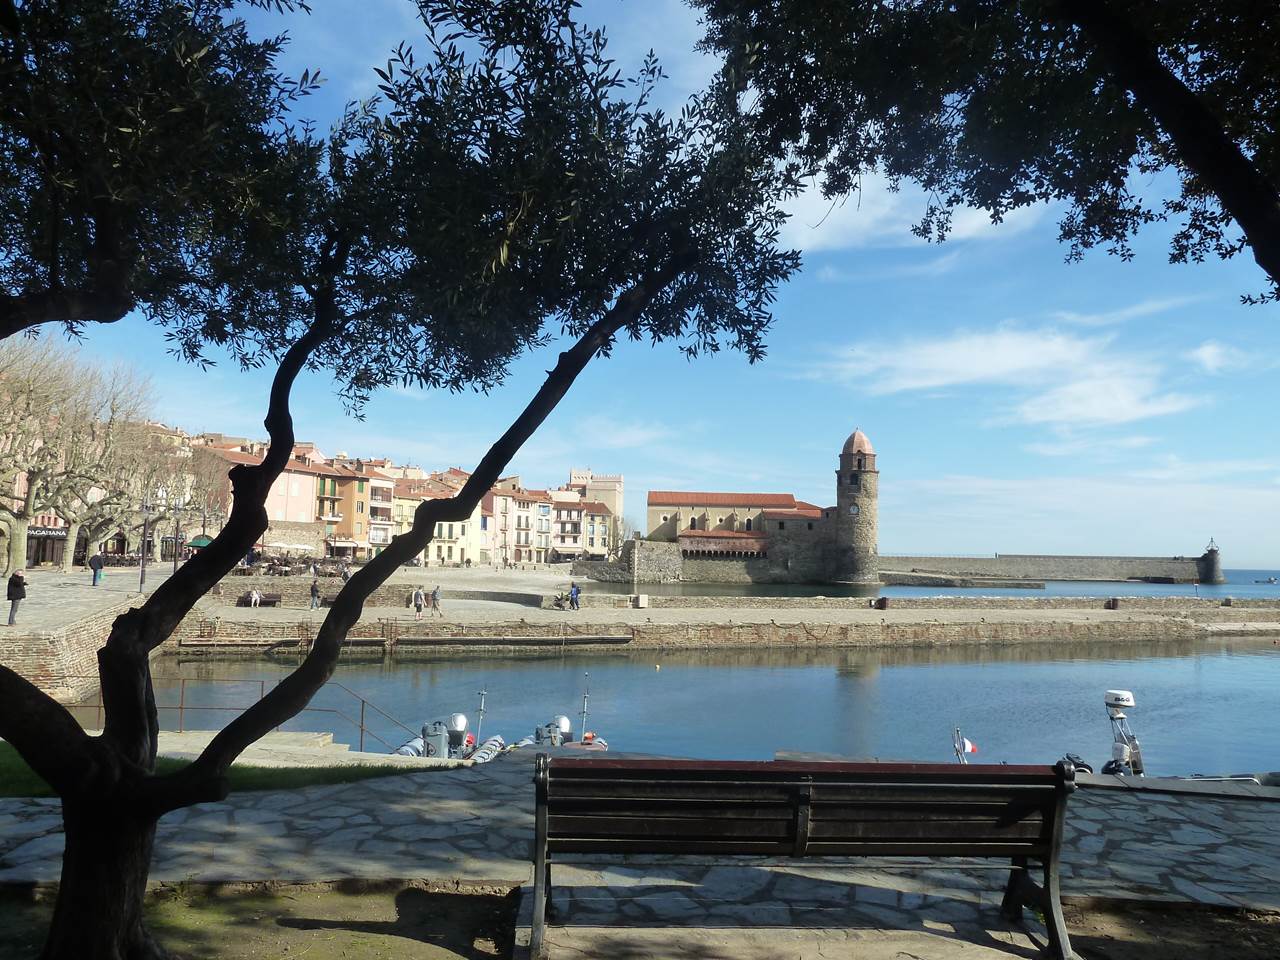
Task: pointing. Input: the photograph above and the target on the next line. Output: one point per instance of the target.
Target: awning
(279, 545)
(342, 543)
(200, 541)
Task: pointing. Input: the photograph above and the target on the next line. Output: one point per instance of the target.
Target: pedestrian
(315, 594)
(573, 596)
(419, 601)
(435, 601)
(346, 573)
(255, 597)
(17, 593)
(96, 563)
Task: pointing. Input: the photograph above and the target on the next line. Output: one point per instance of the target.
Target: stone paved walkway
(475, 825)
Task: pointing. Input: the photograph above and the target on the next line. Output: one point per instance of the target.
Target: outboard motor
(457, 725)
(558, 731)
(1126, 753)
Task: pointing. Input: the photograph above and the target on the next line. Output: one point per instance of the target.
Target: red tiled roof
(678, 498)
(593, 506)
(809, 512)
(293, 466)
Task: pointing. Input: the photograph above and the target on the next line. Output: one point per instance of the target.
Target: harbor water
(1208, 707)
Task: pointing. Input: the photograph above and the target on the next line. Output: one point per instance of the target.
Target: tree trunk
(69, 551)
(18, 543)
(98, 915)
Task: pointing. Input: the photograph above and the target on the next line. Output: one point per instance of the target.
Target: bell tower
(857, 490)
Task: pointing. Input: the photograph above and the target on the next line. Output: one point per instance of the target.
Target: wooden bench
(807, 809)
(268, 600)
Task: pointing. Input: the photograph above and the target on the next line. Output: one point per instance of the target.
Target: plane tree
(1126, 113)
(507, 191)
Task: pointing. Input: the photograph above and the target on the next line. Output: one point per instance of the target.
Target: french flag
(968, 746)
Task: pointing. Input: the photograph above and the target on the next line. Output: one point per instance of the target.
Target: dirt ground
(1171, 933)
(419, 923)
(404, 923)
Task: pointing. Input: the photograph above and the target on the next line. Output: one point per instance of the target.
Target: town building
(605, 489)
(780, 537)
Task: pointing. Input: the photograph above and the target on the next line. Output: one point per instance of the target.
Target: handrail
(182, 705)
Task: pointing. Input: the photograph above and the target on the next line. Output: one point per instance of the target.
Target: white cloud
(930, 267)
(877, 216)
(1214, 357)
(1121, 394)
(1143, 308)
(1064, 378)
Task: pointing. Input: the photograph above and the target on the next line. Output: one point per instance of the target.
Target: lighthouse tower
(857, 487)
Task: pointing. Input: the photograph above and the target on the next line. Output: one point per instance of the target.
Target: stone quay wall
(1209, 607)
(62, 662)
(404, 638)
(1046, 567)
(295, 591)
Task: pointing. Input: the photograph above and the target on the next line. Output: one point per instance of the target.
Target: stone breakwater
(401, 638)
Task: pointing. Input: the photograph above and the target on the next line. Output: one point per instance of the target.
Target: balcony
(375, 498)
(328, 514)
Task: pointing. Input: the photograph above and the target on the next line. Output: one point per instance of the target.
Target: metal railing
(182, 706)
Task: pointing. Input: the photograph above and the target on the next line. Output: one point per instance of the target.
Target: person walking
(315, 594)
(435, 601)
(96, 563)
(419, 601)
(17, 593)
(574, 591)
(346, 573)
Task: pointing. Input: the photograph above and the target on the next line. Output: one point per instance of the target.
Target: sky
(1018, 403)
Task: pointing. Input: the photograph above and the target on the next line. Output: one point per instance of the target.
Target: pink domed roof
(857, 443)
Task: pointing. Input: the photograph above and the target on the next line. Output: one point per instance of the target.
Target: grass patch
(17, 779)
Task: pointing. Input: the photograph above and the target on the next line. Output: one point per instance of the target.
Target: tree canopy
(145, 155)
(1001, 105)
(506, 189)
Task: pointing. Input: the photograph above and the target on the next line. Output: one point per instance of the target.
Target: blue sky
(1018, 403)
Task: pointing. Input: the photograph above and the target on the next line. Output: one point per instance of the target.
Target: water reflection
(1202, 706)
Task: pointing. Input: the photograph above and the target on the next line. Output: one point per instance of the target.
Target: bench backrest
(794, 808)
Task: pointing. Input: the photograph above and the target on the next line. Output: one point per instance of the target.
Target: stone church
(774, 537)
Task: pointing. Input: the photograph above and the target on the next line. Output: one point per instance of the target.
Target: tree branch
(43, 732)
(1244, 192)
(130, 720)
(18, 313)
(205, 777)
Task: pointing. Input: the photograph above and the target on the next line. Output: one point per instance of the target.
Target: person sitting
(255, 598)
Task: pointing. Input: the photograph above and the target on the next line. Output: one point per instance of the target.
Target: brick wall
(63, 662)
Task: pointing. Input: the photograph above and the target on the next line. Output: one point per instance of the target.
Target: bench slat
(611, 827)
(782, 792)
(768, 848)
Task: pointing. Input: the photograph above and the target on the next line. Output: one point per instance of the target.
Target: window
(439, 552)
(462, 531)
(665, 518)
(359, 486)
(719, 520)
(439, 528)
(484, 523)
(359, 527)
(693, 523)
(359, 506)
(451, 531)
(782, 525)
(450, 552)
(591, 541)
(544, 510)
(810, 524)
(748, 523)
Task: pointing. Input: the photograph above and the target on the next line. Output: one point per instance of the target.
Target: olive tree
(508, 191)
(1127, 113)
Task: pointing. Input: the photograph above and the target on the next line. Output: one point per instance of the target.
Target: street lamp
(142, 562)
(177, 512)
